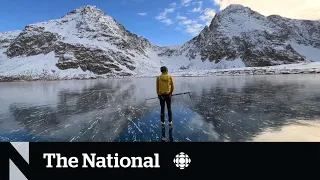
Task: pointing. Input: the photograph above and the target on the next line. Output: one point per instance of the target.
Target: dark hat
(164, 69)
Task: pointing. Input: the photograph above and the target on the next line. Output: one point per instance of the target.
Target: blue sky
(163, 22)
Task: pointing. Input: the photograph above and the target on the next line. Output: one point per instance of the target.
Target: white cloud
(163, 16)
(194, 29)
(167, 21)
(177, 29)
(198, 9)
(173, 4)
(185, 2)
(190, 26)
(142, 14)
(208, 15)
(181, 17)
(297, 9)
(188, 22)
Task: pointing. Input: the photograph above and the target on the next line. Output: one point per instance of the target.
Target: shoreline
(225, 73)
(287, 69)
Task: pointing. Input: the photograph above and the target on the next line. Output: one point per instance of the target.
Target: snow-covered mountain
(88, 43)
(84, 41)
(243, 35)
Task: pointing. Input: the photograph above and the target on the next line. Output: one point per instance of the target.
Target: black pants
(165, 99)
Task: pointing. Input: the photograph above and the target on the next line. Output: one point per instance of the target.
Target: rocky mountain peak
(236, 20)
(237, 14)
(85, 38)
(236, 9)
(239, 32)
(87, 22)
(87, 9)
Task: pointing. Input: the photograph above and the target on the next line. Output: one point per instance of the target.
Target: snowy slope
(87, 43)
(311, 53)
(38, 67)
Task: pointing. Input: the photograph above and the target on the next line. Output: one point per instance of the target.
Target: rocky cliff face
(239, 32)
(304, 32)
(32, 41)
(89, 41)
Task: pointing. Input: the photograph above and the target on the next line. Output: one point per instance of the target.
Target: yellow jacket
(165, 84)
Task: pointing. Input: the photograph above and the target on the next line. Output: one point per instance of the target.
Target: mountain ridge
(231, 6)
(86, 42)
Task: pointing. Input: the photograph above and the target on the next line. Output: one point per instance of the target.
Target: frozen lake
(243, 108)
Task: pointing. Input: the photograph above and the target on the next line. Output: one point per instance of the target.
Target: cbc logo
(182, 160)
